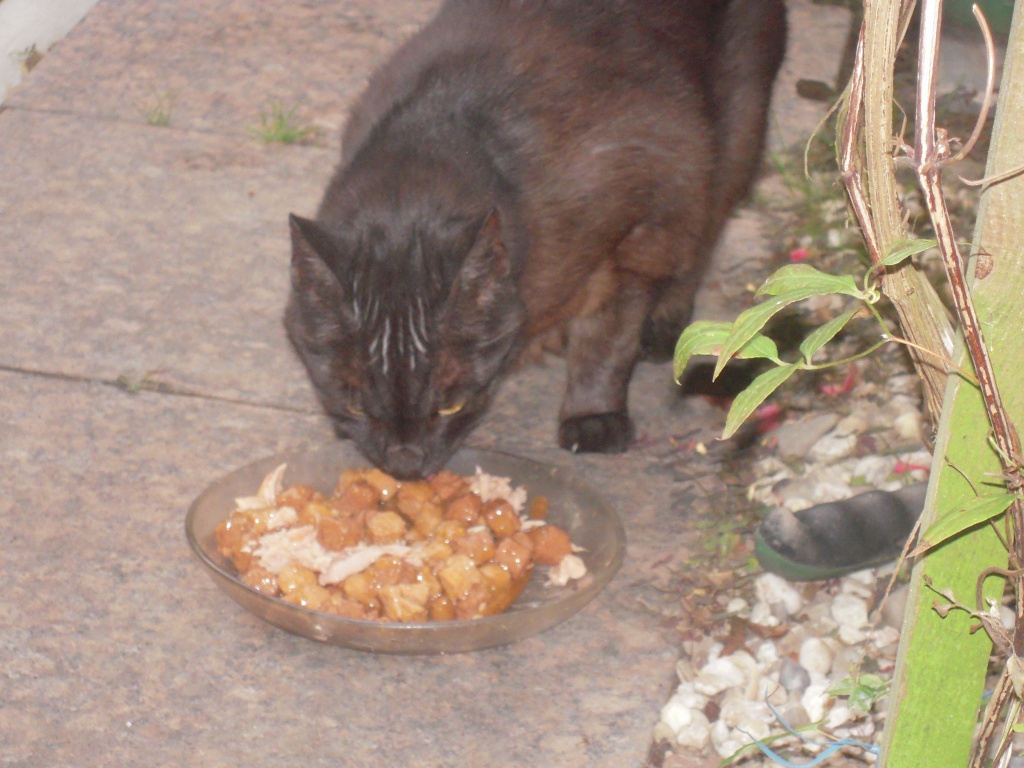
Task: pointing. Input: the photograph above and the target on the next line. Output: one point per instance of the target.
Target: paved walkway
(144, 270)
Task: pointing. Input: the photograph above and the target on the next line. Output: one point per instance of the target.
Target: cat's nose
(405, 461)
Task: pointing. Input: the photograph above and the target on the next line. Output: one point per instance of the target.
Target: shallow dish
(590, 523)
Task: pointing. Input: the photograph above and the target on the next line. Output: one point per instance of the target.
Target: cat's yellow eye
(452, 409)
(354, 411)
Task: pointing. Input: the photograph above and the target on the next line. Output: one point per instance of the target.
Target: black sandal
(834, 539)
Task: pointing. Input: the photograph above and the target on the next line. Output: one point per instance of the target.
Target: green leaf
(823, 334)
(804, 277)
(863, 691)
(978, 510)
(750, 398)
(751, 321)
(706, 337)
(902, 249)
(898, 251)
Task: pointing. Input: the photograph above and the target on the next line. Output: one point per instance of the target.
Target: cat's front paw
(600, 433)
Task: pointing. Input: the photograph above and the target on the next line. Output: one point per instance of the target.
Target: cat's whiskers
(385, 338)
(405, 337)
(418, 329)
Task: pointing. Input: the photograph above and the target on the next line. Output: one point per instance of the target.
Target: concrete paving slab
(121, 652)
(223, 63)
(134, 251)
(817, 38)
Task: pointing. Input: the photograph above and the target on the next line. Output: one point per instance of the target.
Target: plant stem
(929, 154)
(866, 161)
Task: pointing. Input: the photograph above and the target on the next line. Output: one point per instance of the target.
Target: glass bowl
(589, 521)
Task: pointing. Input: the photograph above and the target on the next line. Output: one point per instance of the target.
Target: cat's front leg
(603, 346)
(599, 433)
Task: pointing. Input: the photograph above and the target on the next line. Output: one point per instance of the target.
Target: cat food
(379, 549)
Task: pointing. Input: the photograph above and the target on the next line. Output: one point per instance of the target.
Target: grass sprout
(280, 125)
(157, 112)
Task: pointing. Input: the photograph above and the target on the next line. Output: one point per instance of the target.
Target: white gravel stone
(867, 577)
(854, 424)
(835, 239)
(815, 701)
(728, 746)
(819, 616)
(832, 446)
(737, 605)
(796, 503)
(908, 425)
(815, 656)
(761, 614)
(718, 675)
(695, 734)
(849, 610)
(774, 590)
(838, 715)
(714, 651)
(795, 437)
(874, 470)
(883, 637)
(861, 730)
(903, 384)
(851, 635)
(860, 584)
(759, 728)
(725, 740)
(903, 403)
(675, 714)
(1007, 617)
(719, 732)
(736, 709)
(831, 490)
(767, 654)
(687, 695)
(747, 665)
(771, 472)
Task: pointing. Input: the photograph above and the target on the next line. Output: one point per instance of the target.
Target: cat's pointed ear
(313, 249)
(484, 310)
(485, 271)
(318, 280)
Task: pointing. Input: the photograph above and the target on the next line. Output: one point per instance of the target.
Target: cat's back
(526, 49)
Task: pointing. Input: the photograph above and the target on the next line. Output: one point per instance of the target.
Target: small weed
(725, 543)
(281, 126)
(864, 691)
(29, 58)
(149, 382)
(158, 111)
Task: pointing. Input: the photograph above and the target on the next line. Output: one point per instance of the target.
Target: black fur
(519, 168)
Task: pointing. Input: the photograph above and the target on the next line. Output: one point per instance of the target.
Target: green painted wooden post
(941, 667)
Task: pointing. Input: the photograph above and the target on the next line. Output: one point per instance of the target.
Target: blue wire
(829, 747)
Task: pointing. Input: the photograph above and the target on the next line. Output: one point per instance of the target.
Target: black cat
(523, 167)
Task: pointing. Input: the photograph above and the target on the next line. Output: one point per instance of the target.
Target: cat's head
(405, 332)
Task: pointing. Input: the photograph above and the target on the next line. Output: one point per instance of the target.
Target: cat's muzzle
(404, 461)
